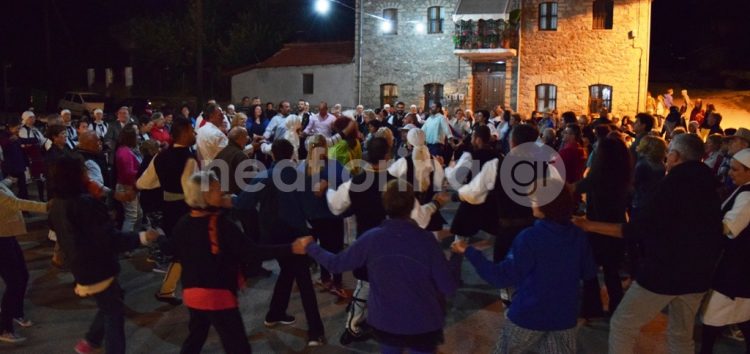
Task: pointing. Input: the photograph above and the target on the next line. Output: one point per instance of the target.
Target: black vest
(367, 203)
(507, 209)
(424, 197)
(732, 276)
(169, 166)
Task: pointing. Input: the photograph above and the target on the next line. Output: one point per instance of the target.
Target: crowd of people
(661, 199)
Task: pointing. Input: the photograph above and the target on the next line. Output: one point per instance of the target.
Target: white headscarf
(293, 123)
(422, 159)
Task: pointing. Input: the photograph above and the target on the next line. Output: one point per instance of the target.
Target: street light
(386, 26)
(421, 28)
(322, 6)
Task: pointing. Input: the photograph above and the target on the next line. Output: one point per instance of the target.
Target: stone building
(525, 54)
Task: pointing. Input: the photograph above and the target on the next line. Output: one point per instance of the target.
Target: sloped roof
(482, 10)
(306, 54)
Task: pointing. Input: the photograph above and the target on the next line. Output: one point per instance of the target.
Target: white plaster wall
(332, 83)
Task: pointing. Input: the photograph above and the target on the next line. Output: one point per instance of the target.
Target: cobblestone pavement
(474, 318)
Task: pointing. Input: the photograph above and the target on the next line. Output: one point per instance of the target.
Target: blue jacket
(317, 207)
(280, 212)
(545, 264)
(409, 275)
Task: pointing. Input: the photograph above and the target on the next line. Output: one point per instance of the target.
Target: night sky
(688, 36)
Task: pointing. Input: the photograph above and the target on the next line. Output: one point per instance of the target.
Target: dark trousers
(296, 268)
(711, 333)
(330, 233)
(609, 254)
(249, 221)
(23, 189)
(172, 212)
(16, 276)
(227, 323)
(504, 240)
(109, 322)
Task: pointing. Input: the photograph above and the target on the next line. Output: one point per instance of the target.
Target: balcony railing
(485, 35)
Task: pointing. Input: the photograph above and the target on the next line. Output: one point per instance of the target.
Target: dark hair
(66, 177)
(77, 123)
(143, 120)
(576, 131)
(375, 123)
(647, 120)
(282, 149)
(398, 199)
(128, 137)
(438, 105)
(560, 209)
(179, 126)
(377, 150)
(251, 112)
(54, 130)
(611, 169)
(209, 110)
(341, 123)
(483, 133)
(13, 122)
(400, 103)
(601, 131)
(244, 97)
(569, 117)
(730, 131)
(523, 133)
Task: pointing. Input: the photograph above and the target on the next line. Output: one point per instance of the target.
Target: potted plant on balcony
(510, 32)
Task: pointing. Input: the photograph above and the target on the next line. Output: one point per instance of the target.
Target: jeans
(16, 276)
(227, 323)
(132, 213)
(296, 268)
(330, 233)
(640, 306)
(109, 322)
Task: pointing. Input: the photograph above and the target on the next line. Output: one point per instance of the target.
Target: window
(388, 94)
(433, 93)
(600, 97)
(546, 97)
(435, 16)
(603, 14)
(308, 84)
(390, 26)
(548, 16)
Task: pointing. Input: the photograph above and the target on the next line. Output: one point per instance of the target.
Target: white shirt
(339, 202)
(738, 218)
(100, 128)
(30, 133)
(276, 127)
(320, 125)
(150, 180)
(475, 192)
(210, 141)
(399, 169)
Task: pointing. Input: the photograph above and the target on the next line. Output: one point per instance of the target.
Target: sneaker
(160, 268)
(84, 347)
(10, 337)
(169, 299)
(285, 320)
(316, 341)
(23, 322)
(348, 337)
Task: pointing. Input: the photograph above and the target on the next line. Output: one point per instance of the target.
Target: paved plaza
(475, 314)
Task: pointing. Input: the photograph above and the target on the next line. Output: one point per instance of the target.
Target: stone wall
(410, 59)
(576, 56)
